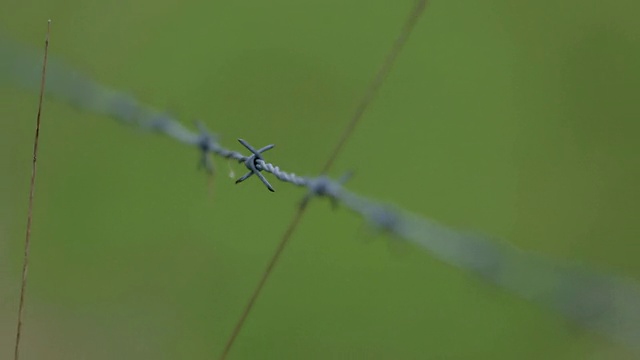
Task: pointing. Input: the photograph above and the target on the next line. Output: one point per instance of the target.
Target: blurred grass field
(516, 119)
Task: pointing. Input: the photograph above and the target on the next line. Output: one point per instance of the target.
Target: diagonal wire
(382, 73)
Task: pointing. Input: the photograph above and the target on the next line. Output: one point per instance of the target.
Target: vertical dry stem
(27, 242)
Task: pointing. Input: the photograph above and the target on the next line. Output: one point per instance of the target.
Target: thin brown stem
(381, 75)
(263, 280)
(346, 134)
(27, 242)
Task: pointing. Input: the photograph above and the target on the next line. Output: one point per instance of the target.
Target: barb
(252, 164)
(604, 303)
(27, 241)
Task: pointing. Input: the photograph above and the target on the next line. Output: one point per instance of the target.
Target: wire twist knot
(207, 143)
(324, 186)
(252, 163)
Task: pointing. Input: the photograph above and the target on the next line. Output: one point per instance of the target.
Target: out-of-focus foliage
(517, 120)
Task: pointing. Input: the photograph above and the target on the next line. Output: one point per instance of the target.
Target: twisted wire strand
(605, 303)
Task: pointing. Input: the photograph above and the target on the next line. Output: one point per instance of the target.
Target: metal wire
(607, 304)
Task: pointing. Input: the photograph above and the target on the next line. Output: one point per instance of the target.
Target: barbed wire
(605, 303)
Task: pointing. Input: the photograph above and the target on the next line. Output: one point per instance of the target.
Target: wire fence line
(605, 303)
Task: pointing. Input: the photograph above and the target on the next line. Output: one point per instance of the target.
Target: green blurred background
(515, 118)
